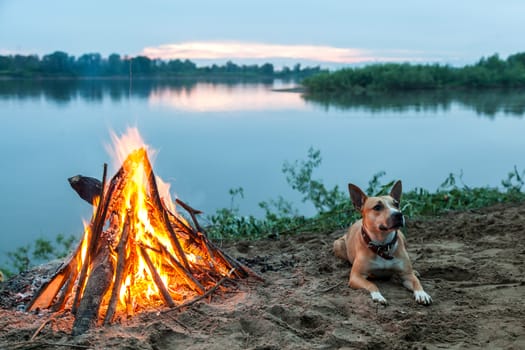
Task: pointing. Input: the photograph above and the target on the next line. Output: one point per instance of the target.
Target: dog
(375, 246)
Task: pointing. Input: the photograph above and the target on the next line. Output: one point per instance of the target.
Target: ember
(137, 252)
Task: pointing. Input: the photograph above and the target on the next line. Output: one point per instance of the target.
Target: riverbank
(470, 262)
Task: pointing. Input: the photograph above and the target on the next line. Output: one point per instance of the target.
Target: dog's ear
(358, 197)
(396, 190)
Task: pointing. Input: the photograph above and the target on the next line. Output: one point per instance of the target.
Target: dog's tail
(340, 248)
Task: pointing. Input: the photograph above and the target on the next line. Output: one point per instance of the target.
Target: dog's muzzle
(395, 221)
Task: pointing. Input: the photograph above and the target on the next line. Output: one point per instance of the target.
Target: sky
(327, 32)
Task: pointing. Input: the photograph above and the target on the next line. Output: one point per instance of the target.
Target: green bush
(40, 251)
(490, 72)
(334, 209)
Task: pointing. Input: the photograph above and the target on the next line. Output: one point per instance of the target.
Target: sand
(471, 263)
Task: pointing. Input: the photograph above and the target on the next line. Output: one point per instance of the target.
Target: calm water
(213, 136)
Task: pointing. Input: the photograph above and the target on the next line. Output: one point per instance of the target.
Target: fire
(135, 208)
(137, 252)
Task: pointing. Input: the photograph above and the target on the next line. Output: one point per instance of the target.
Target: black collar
(383, 250)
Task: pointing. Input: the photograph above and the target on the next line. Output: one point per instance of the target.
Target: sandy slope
(473, 265)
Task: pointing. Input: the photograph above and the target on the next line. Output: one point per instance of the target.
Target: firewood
(97, 284)
(193, 212)
(156, 198)
(200, 297)
(67, 289)
(49, 290)
(133, 225)
(88, 188)
(156, 277)
(119, 272)
(94, 232)
(39, 329)
(188, 277)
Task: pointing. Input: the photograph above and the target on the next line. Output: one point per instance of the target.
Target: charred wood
(88, 188)
(94, 232)
(119, 272)
(133, 225)
(97, 285)
(156, 277)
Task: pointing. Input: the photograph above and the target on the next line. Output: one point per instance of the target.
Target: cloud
(213, 50)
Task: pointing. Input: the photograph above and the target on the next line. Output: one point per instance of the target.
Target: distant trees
(178, 66)
(115, 65)
(56, 63)
(60, 64)
(490, 72)
(89, 64)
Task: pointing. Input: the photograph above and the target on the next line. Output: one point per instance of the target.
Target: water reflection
(484, 103)
(208, 97)
(241, 94)
(63, 91)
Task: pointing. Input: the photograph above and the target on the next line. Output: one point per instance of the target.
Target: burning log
(136, 253)
(97, 285)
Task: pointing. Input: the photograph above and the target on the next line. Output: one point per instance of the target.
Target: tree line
(490, 72)
(61, 64)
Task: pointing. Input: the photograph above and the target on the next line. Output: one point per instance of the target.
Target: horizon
(332, 34)
(279, 64)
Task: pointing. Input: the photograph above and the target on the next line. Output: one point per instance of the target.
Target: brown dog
(375, 246)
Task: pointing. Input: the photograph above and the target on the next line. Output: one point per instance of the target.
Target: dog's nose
(397, 215)
(398, 218)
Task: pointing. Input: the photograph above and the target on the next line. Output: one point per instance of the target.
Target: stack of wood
(103, 278)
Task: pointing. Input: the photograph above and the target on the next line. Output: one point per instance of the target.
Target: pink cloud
(250, 50)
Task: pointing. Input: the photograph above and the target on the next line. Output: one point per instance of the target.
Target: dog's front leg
(359, 281)
(411, 282)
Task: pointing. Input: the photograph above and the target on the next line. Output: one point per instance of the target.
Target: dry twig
(37, 345)
(39, 329)
(200, 297)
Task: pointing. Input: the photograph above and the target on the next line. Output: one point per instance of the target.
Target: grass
(334, 209)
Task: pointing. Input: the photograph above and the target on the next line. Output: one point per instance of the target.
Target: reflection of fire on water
(137, 252)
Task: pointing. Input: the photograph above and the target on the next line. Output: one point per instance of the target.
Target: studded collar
(383, 250)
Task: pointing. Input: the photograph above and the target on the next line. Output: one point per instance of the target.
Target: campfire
(137, 252)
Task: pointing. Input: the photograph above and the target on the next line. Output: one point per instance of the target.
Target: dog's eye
(378, 207)
(396, 203)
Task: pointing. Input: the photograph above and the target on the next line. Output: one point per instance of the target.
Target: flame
(84, 245)
(126, 144)
(135, 206)
(134, 213)
(137, 252)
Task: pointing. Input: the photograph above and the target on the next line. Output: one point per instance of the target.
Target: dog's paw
(422, 297)
(378, 297)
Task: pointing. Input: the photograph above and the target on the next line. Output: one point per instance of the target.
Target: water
(214, 136)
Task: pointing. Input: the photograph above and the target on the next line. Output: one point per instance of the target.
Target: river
(212, 136)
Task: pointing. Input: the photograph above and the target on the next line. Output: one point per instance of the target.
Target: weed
(42, 250)
(334, 210)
